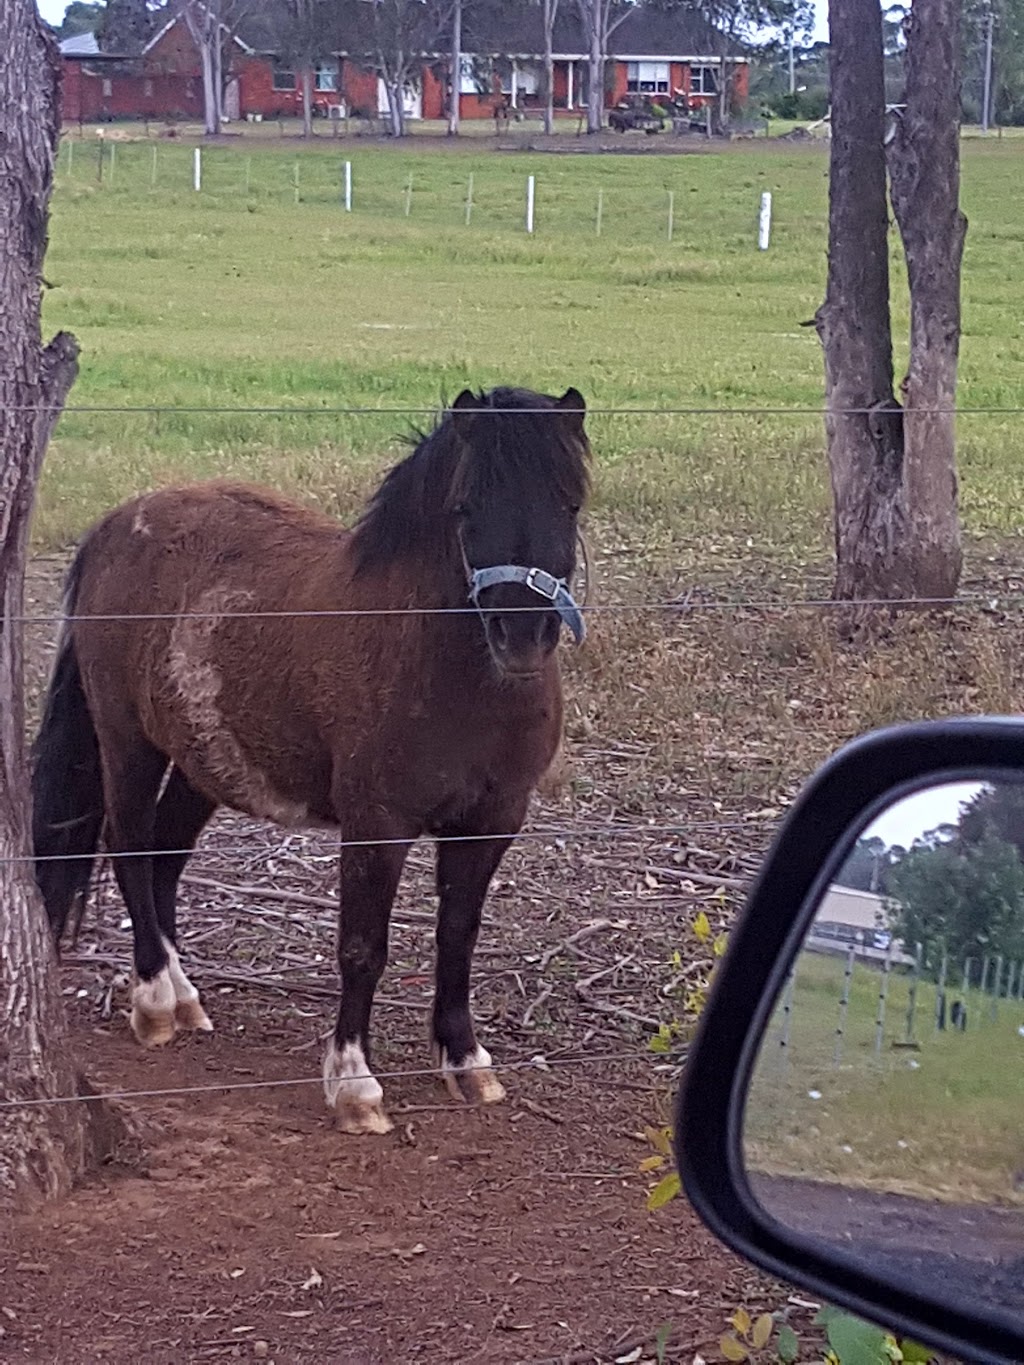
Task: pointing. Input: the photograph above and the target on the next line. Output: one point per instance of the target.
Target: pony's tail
(67, 787)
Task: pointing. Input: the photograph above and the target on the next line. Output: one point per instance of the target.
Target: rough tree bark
(42, 1148)
(924, 178)
(893, 481)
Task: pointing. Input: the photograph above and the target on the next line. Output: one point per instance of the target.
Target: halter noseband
(546, 585)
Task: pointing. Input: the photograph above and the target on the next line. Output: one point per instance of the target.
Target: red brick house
(654, 52)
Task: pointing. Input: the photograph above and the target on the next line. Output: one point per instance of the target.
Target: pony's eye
(460, 509)
(575, 508)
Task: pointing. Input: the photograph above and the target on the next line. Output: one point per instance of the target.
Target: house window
(475, 75)
(147, 89)
(703, 80)
(327, 76)
(648, 78)
(108, 89)
(283, 79)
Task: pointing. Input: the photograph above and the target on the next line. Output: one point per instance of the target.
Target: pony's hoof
(152, 1030)
(153, 1010)
(472, 1081)
(189, 1014)
(353, 1092)
(362, 1119)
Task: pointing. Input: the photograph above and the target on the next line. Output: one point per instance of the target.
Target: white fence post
(197, 169)
(530, 197)
(764, 222)
(469, 200)
(600, 212)
(348, 186)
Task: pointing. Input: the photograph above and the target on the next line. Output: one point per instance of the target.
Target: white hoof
(188, 1012)
(153, 1009)
(472, 1081)
(353, 1092)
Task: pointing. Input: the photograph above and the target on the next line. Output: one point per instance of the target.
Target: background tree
(395, 36)
(998, 811)
(42, 1149)
(599, 20)
(206, 25)
(455, 69)
(81, 16)
(126, 27)
(897, 529)
(304, 34)
(967, 901)
(549, 17)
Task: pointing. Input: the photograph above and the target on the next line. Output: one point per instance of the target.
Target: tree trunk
(210, 124)
(894, 485)
(864, 426)
(217, 54)
(396, 108)
(307, 101)
(45, 1146)
(456, 69)
(550, 15)
(595, 77)
(924, 171)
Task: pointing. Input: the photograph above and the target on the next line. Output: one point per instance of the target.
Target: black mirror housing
(840, 800)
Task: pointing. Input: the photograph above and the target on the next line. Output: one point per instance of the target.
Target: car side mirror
(851, 1117)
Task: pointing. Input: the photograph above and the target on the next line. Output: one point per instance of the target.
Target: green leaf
(664, 1192)
(731, 1348)
(702, 927)
(788, 1344)
(857, 1342)
(915, 1354)
(761, 1331)
(661, 1342)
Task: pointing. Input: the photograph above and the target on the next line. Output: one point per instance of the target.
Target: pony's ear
(574, 406)
(462, 409)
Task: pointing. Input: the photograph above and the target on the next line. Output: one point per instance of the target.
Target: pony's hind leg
(181, 814)
(132, 772)
(369, 880)
(464, 872)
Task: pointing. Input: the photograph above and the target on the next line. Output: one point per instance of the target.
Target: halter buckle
(543, 583)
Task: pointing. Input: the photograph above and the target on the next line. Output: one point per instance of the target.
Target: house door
(232, 100)
(412, 100)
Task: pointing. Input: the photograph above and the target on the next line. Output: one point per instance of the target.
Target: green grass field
(942, 1121)
(252, 294)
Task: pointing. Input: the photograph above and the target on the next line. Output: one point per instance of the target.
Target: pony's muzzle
(521, 642)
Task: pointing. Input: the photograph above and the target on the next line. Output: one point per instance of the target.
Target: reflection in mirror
(886, 1110)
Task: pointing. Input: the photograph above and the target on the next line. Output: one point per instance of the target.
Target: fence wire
(680, 606)
(536, 1063)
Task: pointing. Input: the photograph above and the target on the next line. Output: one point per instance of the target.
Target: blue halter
(546, 585)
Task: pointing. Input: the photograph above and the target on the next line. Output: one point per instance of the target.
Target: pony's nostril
(499, 632)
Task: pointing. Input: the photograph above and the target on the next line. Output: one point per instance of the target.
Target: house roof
(645, 31)
(85, 47)
(516, 29)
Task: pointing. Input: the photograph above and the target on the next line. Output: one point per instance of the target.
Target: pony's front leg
(369, 880)
(464, 872)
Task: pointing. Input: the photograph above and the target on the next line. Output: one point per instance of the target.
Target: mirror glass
(885, 1115)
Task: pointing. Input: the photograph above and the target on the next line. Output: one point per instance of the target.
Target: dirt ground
(241, 1224)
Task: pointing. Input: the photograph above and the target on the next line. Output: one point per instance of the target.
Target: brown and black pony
(418, 695)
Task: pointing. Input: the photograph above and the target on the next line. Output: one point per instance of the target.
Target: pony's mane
(508, 448)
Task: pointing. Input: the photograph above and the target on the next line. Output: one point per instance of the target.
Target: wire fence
(609, 831)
